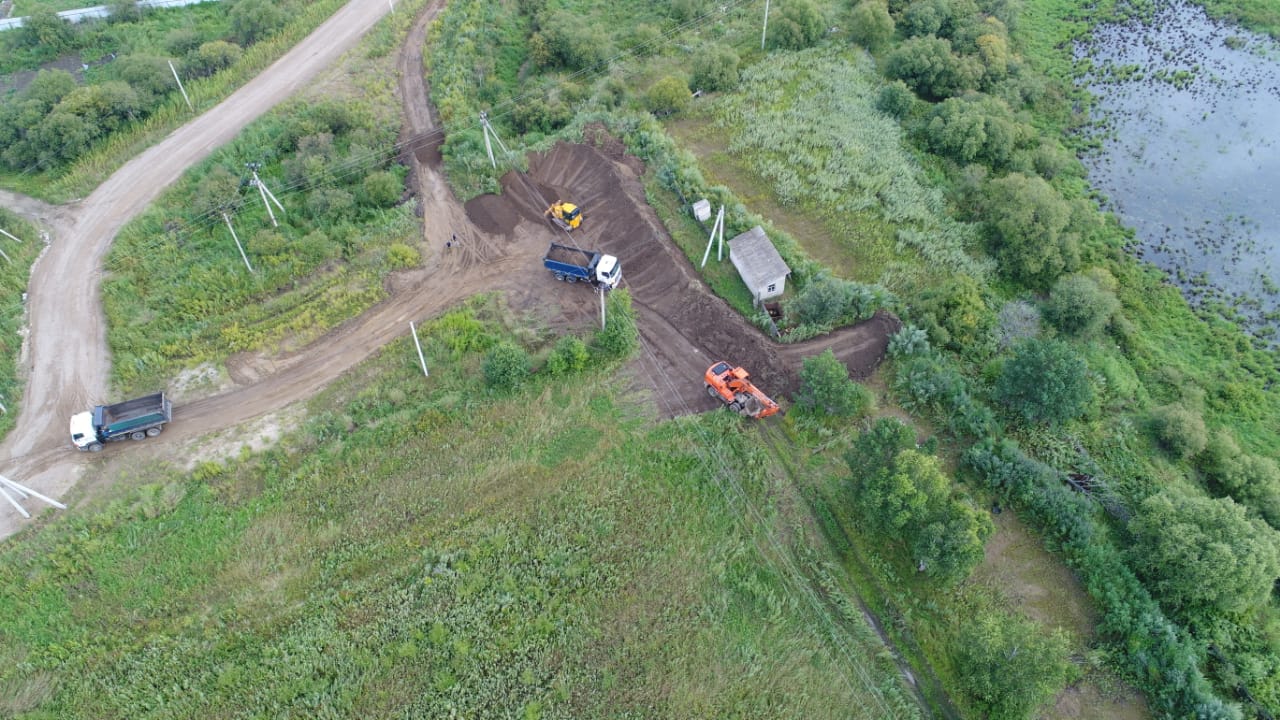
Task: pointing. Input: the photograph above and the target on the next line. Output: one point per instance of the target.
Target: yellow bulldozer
(565, 215)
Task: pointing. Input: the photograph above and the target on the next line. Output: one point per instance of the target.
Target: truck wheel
(152, 432)
(138, 435)
(712, 392)
(572, 279)
(561, 277)
(95, 447)
(734, 406)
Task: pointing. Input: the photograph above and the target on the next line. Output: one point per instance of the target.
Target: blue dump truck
(136, 419)
(570, 264)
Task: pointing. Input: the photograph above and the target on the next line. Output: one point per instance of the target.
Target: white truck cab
(608, 272)
(82, 433)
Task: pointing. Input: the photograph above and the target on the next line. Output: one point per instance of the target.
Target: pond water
(1188, 118)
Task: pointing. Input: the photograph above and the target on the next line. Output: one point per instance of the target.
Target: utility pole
(765, 32)
(184, 90)
(14, 238)
(601, 308)
(237, 239)
(490, 132)
(716, 229)
(9, 489)
(264, 192)
(418, 345)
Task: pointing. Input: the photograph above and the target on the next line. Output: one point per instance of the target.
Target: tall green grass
(390, 557)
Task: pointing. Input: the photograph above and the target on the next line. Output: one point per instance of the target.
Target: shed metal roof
(758, 260)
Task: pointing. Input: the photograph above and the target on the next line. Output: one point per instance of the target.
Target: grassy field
(180, 295)
(391, 558)
(14, 273)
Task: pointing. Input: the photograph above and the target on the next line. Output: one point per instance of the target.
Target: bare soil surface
(501, 240)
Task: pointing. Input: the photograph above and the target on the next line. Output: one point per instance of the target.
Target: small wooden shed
(759, 264)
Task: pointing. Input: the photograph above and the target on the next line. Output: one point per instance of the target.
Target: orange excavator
(730, 385)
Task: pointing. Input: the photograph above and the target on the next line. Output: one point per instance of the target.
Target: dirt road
(68, 355)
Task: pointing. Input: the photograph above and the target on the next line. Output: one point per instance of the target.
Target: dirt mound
(492, 214)
(684, 326)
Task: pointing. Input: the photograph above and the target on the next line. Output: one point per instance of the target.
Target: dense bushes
(826, 301)
(903, 493)
(1029, 225)
(955, 315)
(620, 336)
(715, 68)
(872, 25)
(1159, 654)
(928, 66)
(505, 365)
(1079, 306)
(1179, 429)
(1204, 556)
(1249, 479)
(1008, 666)
(932, 383)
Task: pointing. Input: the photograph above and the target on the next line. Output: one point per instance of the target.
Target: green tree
(872, 25)
(254, 20)
(1202, 556)
(1009, 667)
(715, 68)
(826, 389)
(567, 45)
(800, 25)
(927, 65)
(505, 365)
(1179, 429)
(826, 300)
(1044, 381)
(874, 449)
(1028, 225)
(668, 95)
(926, 17)
(1079, 307)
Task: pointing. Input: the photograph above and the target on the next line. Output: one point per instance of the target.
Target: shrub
(1078, 306)
(569, 355)
(932, 382)
(217, 192)
(620, 336)
(401, 256)
(569, 45)
(1204, 556)
(1179, 429)
(977, 128)
(1044, 381)
(505, 365)
(148, 75)
(1008, 666)
(825, 388)
(382, 189)
(254, 20)
(926, 17)
(668, 95)
(872, 25)
(955, 315)
(715, 68)
(910, 341)
(124, 11)
(826, 301)
(212, 57)
(43, 29)
(1017, 320)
